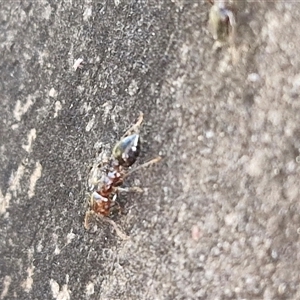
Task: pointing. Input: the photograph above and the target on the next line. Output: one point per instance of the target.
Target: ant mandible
(114, 171)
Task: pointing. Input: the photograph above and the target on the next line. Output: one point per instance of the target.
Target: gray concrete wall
(220, 215)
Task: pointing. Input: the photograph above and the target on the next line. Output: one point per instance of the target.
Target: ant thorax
(102, 177)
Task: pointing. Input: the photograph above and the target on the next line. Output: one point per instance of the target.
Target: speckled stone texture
(220, 214)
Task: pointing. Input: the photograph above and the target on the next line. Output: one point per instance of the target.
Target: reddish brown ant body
(114, 171)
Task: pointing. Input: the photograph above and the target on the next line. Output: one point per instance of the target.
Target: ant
(222, 21)
(114, 171)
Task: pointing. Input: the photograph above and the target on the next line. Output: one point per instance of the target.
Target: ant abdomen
(127, 150)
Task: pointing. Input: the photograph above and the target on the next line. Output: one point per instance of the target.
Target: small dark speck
(294, 95)
(27, 8)
(248, 100)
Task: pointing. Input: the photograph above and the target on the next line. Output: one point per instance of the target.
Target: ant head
(127, 150)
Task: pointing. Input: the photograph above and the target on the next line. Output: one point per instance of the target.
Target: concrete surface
(220, 215)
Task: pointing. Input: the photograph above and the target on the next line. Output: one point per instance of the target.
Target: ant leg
(87, 218)
(135, 127)
(130, 189)
(118, 231)
(88, 198)
(232, 23)
(145, 165)
(90, 212)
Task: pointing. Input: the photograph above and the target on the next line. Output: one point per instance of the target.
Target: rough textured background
(220, 216)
